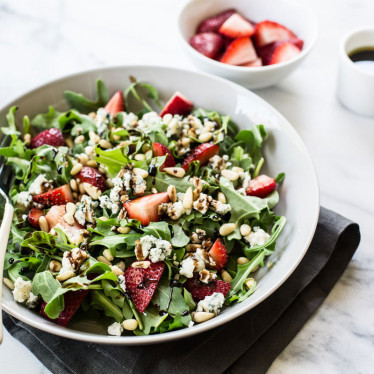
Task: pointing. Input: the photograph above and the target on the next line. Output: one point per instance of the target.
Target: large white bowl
(284, 152)
(290, 13)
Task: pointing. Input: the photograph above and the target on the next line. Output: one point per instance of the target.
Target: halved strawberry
(200, 290)
(267, 32)
(162, 150)
(34, 216)
(72, 301)
(116, 104)
(55, 216)
(239, 52)
(57, 196)
(219, 254)
(277, 52)
(213, 23)
(141, 284)
(145, 208)
(177, 104)
(207, 43)
(255, 63)
(236, 27)
(92, 176)
(261, 186)
(51, 137)
(201, 153)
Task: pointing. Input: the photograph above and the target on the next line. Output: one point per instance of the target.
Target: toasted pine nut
(172, 193)
(55, 266)
(108, 255)
(92, 163)
(153, 190)
(92, 114)
(81, 189)
(124, 230)
(230, 175)
(227, 228)
(105, 144)
(7, 281)
(104, 260)
(196, 194)
(176, 172)
(116, 138)
(185, 142)
(139, 157)
(226, 276)
(245, 229)
(141, 172)
(255, 268)
(65, 275)
(188, 199)
(205, 137)
(221, 197)
(83, 158)
(27, 139)
(141, 264)
(249, 283)
(69, 218)
(242, 260)
(109, 183)
(199, 317)
(75, 195)
(79, 139)
(116, 270)
(167, 118)
(121, 265)
(43, 224)
(104, 218)
(130, 324)
(70, 208)
(237, 169)
(76, 169)
(94, 137)
(74, 185)
(93, 191)
(69, 142)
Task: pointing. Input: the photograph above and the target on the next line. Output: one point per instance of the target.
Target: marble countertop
(42, 40)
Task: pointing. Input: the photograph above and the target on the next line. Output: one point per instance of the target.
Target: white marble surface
(41, 40)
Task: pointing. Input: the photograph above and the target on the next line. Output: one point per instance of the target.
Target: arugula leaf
(113, 159)
(47, 120)
(179, 239)
(162, 180)
(158, 230)
(151, 321)
(11, 129)
(101, 301)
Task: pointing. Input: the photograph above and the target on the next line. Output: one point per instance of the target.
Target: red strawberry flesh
(145, 208)
(93, 177)
(207, 43)
(261, 186)
(278, 52)
(219, 254)
(55, 216)
(214, 23)
(255, 63)
(141, 284)
(51, 137)
(200, 290)
(116, 104)
(236, 27)
(239, 52)
(162, 150)
(57, 196)
(177, 104)
(267, 32)
(201, 153)
(34, 216)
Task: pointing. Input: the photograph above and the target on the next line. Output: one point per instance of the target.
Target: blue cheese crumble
(155, 249)
(257, 237)
(22, 293)
(115, 329)
(211, 304)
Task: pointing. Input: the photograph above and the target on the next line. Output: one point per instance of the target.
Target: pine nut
(139, 157)
(108, 255)
(176, 172)
(130, 324)
(249, 283)
(81, 189)
(185, 142)
(75, 195)
(79, 139)
(226, 276)
(245, 229)
(92, 115)
(124, 230)
(172, 193)
(69, 142)
(242, 260)
(221, 197)
(141, 264)
(65, 275)
(55, 266)
(43, 224)
(116, 138)
(188, 199)
(93, 191)
(7, 281)
(103, 218)
(167, 118)
(121, 265)
(74, 185)
(116, 270)
(196, 194)
(105, 144)
(205, 137)
(141, 172)
(27, 140)
(92, 163)
(237, 169)
(200, 317)
(76, 169)
(230, 175)
(255, 268)
(83, 158)
(70, 208)
(109, 183)
(153, 190)
(227, 228)
(104, 260)
(69, 218)
(94, 137)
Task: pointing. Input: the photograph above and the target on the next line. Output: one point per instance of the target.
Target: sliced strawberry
(277, 52)
(55, 217)
(177, 104)
(162, 150)
(219, 254)
(52, 137)
(254, 64)
(214, 23)
(57, 196)
(239, 52)
(298, 42)
(145, 208)
(201, 153)
(207, 43)
(261, 186)
(141, 284)
(34, 216)
(200, 290)
(93, 177)
(116, 104)
(72, 301)
(236, 27)
(267, 32)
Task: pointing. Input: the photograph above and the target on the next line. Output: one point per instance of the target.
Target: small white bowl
(293, 15)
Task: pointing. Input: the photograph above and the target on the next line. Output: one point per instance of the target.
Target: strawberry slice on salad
(51, 137)
(254, 64)
(201, 153)
(141, 284)
(177, 104)
(236, 27)
(34, 216)
(93, 177)
(261, 186)
(116, 104)
(277, 52)
(212, 24)
(239, 52)
(208, 44)
(72, 301)
(57, 196)
(219, 254)
(267, 32)
(162, 150)
(145, 208)
(200, 290)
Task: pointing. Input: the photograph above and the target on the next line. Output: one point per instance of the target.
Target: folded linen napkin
(248, 344)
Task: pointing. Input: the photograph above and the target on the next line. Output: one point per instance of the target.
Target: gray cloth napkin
(249, 344)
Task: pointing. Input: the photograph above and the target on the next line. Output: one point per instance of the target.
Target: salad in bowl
(143, 217)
